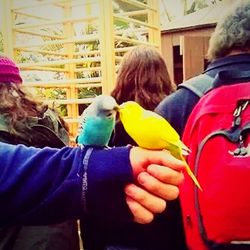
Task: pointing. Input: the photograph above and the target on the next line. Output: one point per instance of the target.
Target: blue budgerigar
(97, 122)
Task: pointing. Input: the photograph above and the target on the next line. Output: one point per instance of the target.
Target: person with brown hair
(142, 77)
(23, 120)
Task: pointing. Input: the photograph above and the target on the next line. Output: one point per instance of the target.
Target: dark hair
(142, 77)
(232, 32)
(16, 105)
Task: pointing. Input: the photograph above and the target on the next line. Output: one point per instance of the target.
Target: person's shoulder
(53, 120)
(51, 114)
(177, 107)
(198, 85)
(175, 100)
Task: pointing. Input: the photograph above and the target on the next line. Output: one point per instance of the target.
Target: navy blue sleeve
(106, 182)
(39, 186)
(44, 186)
(177, 107)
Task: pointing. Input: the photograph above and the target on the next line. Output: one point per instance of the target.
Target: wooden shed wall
(184, 51)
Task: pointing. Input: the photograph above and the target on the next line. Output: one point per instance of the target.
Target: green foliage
(89, 92)
(53, 94)
(196, 5)
(60, 94)
(62, 109)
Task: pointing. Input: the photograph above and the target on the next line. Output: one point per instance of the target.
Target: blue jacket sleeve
(105, 196)
(43, 186)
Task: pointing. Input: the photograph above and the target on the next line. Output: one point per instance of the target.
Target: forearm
(39, 186)
(47, 186)
(44, 186)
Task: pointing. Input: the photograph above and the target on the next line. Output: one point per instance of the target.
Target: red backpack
(218, 134)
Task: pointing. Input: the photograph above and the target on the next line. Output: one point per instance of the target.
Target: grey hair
(232, 32)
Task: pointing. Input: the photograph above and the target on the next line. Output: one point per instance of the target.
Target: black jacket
(38, 132)
(177, 107)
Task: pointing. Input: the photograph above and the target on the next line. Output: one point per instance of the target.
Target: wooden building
(69, 50)
(184, 42)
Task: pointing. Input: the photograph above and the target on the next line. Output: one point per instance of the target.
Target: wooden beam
(64, 86)
(154, 35)
(193, 58)
(139, 4)
(7, 19)
(81, 2)
(168, 54)
(124, 49)
(107, 45)
(141, 30)
(134, 41)
(87, 38)
(132, 20)
(40, 51)
(53, 22)
(72, 120)
(87, 69)
(63, 83)
(68, 101)
(134, 13)
(44, 69)
(51, 2)
(61, 62)
(32, 16)
(33, 33)
(82, 53)
(118, 58)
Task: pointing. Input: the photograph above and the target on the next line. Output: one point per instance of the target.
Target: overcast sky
(173, 7)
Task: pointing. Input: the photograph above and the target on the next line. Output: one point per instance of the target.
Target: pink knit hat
(9, 72)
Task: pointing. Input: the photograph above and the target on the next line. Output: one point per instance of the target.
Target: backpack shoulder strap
(199, 85)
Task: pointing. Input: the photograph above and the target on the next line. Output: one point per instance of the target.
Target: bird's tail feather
(191, 174)
(185, 150)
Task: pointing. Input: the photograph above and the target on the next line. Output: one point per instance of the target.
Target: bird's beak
(117, 107)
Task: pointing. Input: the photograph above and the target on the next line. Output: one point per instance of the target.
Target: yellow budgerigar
(150, 130)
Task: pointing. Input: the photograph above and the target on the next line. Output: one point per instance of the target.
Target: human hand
(158, 173)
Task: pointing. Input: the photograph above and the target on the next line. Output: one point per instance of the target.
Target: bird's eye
(109, 113)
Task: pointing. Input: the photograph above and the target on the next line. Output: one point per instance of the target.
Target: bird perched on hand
(97, 122)
(150, 130)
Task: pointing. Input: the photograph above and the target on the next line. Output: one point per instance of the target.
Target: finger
(149, 201)
(141, 158)
(158, 188)
(141, 214)
(164, 157)
(165, 174)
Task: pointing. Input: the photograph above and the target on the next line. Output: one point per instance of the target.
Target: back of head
(232, 33)
(142, 77)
